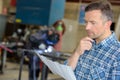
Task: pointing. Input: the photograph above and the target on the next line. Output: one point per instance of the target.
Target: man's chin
(92, 37)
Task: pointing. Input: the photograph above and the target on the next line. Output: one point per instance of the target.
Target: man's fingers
(88, 39)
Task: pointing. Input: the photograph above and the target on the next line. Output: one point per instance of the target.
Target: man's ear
(108, 24)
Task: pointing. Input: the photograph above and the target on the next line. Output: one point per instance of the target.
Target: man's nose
(87, 26)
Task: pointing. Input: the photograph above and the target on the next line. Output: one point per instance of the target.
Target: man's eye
(93, 23)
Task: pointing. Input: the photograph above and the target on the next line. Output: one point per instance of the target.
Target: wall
(1, 5)
(6, 3)
(74, 31)
(117, 30)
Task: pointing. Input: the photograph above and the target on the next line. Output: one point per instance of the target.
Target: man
(97, 56)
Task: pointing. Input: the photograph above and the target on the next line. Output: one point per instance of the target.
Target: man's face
(94, 24)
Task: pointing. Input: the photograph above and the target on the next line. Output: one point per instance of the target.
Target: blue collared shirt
(102, 62)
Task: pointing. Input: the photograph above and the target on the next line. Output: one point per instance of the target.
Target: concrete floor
(11, 72)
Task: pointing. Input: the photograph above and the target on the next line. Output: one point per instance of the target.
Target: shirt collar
(106, 42)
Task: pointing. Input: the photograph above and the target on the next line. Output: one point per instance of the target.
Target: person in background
(97, 56)
(60, 29)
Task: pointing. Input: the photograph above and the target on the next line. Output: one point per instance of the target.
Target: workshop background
(70, 11)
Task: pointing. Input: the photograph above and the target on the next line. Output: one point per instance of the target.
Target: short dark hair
(104, 6)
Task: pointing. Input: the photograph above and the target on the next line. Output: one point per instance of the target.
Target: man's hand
(84, 44)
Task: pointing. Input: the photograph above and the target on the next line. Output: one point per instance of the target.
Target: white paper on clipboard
(60, 69)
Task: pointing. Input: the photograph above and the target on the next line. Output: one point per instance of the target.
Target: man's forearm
(72, 61)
